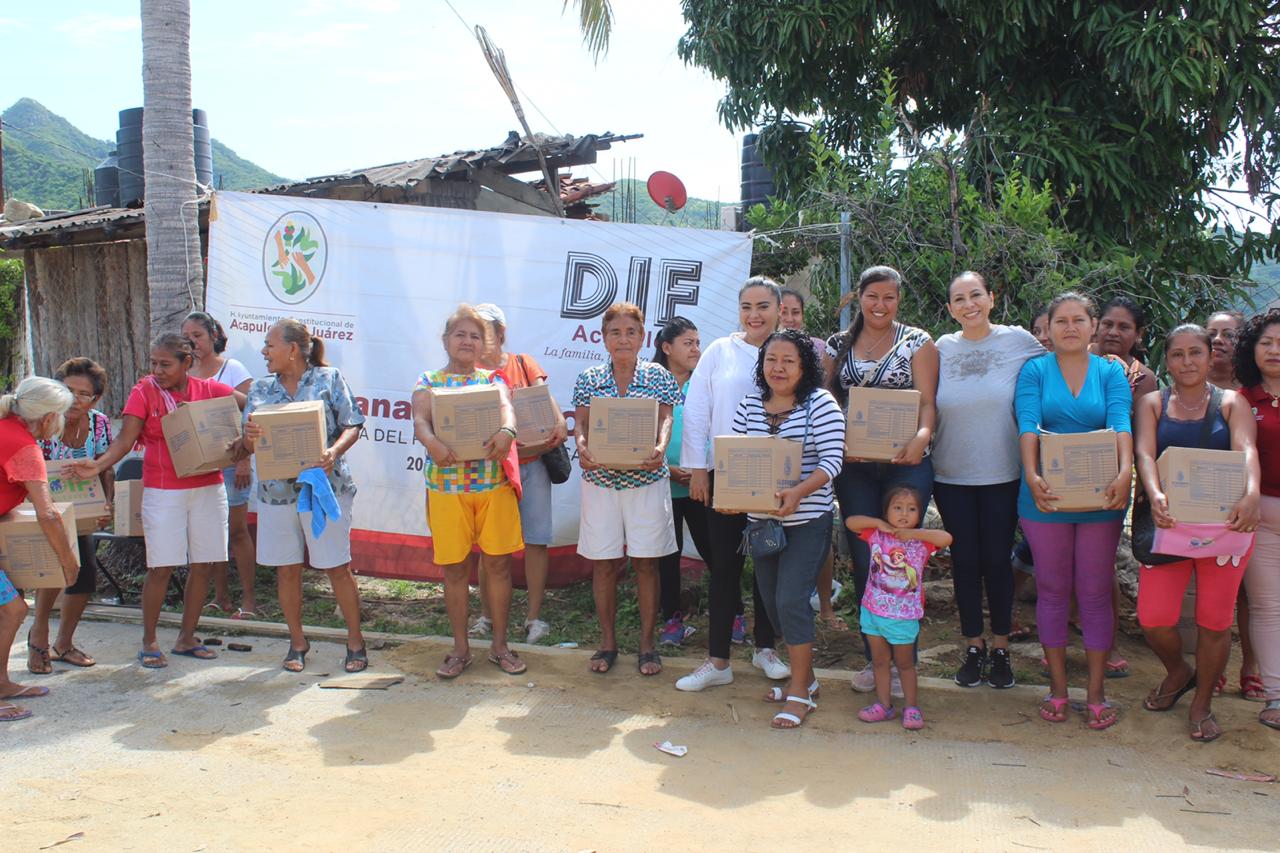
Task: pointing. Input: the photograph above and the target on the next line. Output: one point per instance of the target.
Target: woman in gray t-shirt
(976, 470)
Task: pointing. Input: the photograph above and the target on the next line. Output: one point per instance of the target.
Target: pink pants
(1161, 589)
(1262, 582)
(1077, 557)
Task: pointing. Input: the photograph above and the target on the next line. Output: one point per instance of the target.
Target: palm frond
(595, 17)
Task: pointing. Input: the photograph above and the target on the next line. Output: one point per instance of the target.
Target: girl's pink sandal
(877, 713)
(1059, 713)
(912, 718)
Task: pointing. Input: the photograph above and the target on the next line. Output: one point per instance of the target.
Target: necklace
(75, 440)
(1275, 398)
(1195, 407)
(871, 348)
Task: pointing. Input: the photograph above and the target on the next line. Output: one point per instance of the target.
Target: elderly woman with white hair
(32, 413)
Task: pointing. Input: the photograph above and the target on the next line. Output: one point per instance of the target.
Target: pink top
(146, 402)
(895, 585)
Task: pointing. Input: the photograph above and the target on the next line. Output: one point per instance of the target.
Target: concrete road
(238, 755)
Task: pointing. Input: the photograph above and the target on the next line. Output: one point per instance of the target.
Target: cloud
(94, 28)
(331, 35)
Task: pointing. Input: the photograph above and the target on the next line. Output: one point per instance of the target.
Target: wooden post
(1, 162)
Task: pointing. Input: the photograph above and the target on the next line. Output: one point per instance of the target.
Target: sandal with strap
(298, 656)
(775, 694)
(788, 720)
(38, 658)
(1097, 722)
(509, 662)
(453, 666)
(31, 692)
(1219, 686)
(1251, 688)
(12, 713)
(877, 713)
(609, 656)
(73, 656)
(1273, 705)
(357, 660)
(1171, 697)
(912, 719)
(1206, 729)
(1117, 668)
(1059, 705)
(649, 657)
(152, 659)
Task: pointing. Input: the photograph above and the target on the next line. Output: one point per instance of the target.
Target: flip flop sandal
(1117, 669)
(509, 662)
(41, 653)
(1273, 705)
(28, 693)
(196, 652)
(83, 660)
(1219, 686)
(215, 607)
(648, 657)
(775, 694)
(609, 656)
(1059, 712)
(1022, 632)
(1251, 688)
(1096, 720)
(877, 713)
(1199, 735)
(788, 717)
(357, 660)
(453, 666)
(244, 615)
(152, 660)
(1173, 696)
(299, 655)
(12, 713)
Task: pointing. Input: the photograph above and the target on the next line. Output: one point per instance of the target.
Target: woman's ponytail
(6, 404)
(316, 357)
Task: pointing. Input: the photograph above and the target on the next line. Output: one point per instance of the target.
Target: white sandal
(788, 717)
(775, 694)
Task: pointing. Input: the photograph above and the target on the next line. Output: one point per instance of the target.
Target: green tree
(1132, 111)
(595, 19)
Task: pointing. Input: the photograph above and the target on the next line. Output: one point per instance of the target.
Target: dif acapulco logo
(294, 255)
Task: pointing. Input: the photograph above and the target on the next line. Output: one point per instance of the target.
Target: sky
(316, 87)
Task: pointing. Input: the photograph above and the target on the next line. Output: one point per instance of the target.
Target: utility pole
(1, 162)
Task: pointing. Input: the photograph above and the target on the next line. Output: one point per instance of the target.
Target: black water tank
(130, 160)
(757, 178)
(106, 183)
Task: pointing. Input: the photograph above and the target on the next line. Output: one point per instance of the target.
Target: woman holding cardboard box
(472, 498)
(184, 518)
(879, 352)
(626, 503)
(975, 463)
(1257, 361)
(791, 404)
(34, 412)
(286, 529)
(209, 341)
(1192, 413)
(87, 435)
(1071, 391)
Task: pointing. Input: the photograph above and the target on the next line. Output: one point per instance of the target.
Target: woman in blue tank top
(1192, 413)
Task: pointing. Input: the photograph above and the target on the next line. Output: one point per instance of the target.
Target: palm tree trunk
(174, 270)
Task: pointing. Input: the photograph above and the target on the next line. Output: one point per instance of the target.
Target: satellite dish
(667, 191)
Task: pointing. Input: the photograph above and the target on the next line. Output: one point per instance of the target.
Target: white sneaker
(705, 676)
(864, 681)
(482, 627)
(768, 660)
(535, 630)
(816, 605)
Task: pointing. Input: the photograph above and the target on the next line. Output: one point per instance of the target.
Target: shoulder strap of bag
(1210, 415)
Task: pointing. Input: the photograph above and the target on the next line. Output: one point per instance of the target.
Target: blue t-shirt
(1044, 402)
(678, 490)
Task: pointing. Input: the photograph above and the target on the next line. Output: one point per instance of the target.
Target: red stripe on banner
(402, 556)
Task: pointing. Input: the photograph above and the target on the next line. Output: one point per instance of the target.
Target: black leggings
(87, 581)
(982, 521)
(683, 510)
(724, 535)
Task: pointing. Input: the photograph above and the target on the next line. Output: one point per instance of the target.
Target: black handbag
(558, 465)
(762, 537)
(1143, 531)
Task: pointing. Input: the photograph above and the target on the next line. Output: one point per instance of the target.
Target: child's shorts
(897, 632)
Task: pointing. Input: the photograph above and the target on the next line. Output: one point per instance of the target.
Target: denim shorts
(897, 632)
(7, 591)
(235, 497)
(535, 502)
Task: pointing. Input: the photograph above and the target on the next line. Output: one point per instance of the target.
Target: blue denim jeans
(786, 578)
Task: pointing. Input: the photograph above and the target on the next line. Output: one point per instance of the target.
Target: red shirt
(1268, 417)
(521, 371)
(20, 462)
(146, 403)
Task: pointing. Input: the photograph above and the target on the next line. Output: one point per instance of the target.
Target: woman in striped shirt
(792, 404)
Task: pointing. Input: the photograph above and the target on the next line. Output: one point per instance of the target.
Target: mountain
(697, 212)
(48, 161)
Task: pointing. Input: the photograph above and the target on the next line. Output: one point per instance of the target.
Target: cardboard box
(199, 434)
(295, 437)
(465, 418)
(128, 508)
(1078, 467)
(750, 470)
(536, 414)
(1202, 485)
(88, 496)
(623, 431)
(880, 422)
(26, 555)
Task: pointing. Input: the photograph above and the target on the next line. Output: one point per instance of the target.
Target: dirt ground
(238, 755)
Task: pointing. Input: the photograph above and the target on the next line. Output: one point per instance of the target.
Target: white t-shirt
(725, 374)
(232, 373)
(976, 441)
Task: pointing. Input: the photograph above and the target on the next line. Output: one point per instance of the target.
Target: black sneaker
(1000, 672)
(974, 667)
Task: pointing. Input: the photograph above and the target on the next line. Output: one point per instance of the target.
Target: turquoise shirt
(1044, 402)
(678, 490)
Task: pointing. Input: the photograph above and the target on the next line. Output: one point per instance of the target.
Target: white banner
(377, 281)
